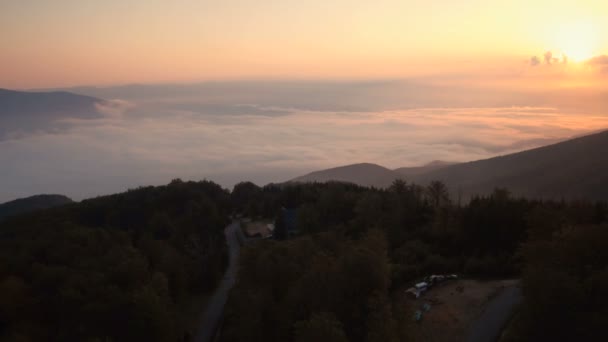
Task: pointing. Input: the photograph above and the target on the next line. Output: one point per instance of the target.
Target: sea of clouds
(271, 132)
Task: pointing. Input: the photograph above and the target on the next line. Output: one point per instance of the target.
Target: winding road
(215, 307)
(487, 328)
(492, 321)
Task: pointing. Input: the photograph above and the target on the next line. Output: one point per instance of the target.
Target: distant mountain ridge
(22, 112)
(417, 170)
(32, 203)
(572, 169)
(13, 101)
(366, 174)
(369, 174)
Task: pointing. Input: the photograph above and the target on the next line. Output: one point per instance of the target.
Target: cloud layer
(264, 144)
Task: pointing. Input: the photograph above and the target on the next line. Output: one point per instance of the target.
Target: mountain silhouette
(365, 174)
(27, 112)
(572, 169)
(24, 205)
(418, 170)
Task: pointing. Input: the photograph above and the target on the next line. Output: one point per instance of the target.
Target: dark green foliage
(116, 267)
(320, 327)
(492, 229)
(246, 198)
(566, 285)
(426, 232)
(328, 283)
(113, 267)
(321, 288)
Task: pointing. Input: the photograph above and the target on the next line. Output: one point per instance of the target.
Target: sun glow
(578, 40)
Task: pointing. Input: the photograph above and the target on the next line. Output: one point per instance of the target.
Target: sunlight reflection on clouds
(119, 151)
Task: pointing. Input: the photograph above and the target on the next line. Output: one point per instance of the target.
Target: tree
(438, 194)
(565, 285)
(281, 231)
(320, 327)
(398, 186)
(114, 267)
(381, 326)
(246, 199)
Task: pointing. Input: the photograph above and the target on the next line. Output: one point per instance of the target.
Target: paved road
(490, 324)
(215, 307)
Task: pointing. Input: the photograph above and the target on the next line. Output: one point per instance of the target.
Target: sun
(577, 40)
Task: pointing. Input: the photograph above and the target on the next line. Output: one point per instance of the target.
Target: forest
(119, 267)
(112, 268)
(340, 277)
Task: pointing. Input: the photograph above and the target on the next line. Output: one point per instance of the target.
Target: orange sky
(75, 42)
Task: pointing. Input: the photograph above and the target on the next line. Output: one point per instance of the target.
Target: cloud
(598, 64)
(601, 60)
(113, 108)
(214, 135)
(534, 61)
(548, 57)
(109, 155)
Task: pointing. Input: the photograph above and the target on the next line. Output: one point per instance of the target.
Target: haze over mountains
(111, 139)
(576, 169)
(26, 112)
(368, 174)
(418, 170)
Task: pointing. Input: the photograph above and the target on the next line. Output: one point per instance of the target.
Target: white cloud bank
(151, 144)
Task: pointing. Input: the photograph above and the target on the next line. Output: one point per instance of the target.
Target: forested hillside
(342, 276)
(364, 174)
(113, 268)
(565, 282)
(24, 205)
(573, 169)
(119, 267)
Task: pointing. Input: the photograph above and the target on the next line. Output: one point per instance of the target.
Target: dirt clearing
(454, 306)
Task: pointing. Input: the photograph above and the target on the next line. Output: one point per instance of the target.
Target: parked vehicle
(418, 289)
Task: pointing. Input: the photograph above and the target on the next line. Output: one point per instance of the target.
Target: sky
(57, 43)
(269, 90)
